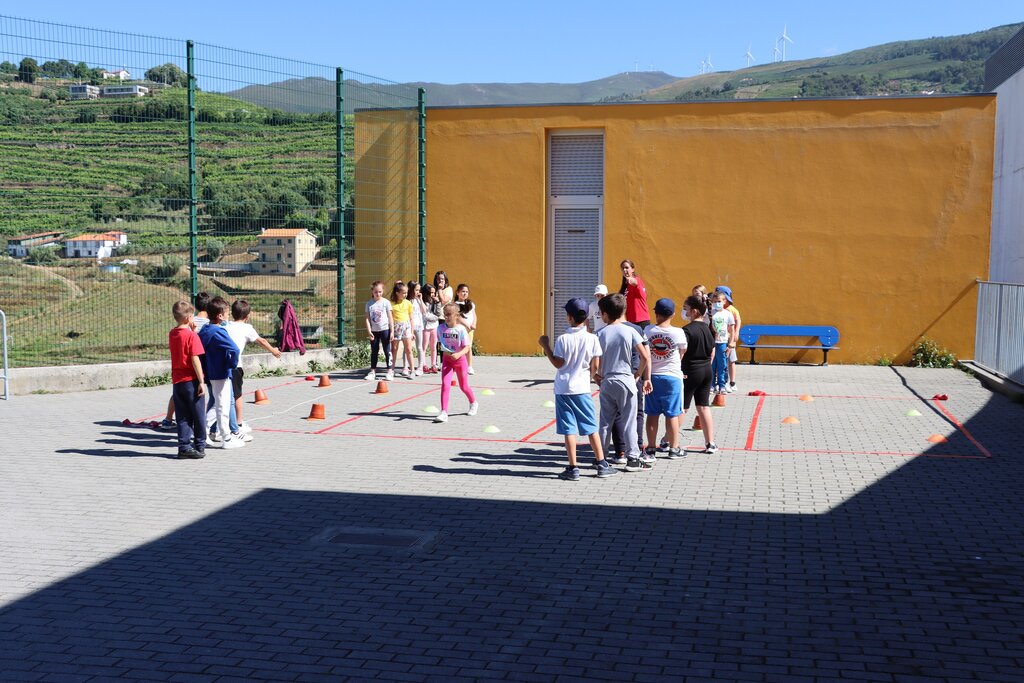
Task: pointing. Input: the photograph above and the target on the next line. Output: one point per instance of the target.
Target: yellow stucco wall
(871, 215)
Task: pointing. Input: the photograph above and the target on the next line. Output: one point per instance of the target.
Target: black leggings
(697, 385)
(382, 337)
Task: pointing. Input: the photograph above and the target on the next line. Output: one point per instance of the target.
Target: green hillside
(938, 65)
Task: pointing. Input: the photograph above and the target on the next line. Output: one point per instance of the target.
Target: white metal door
(575, 220)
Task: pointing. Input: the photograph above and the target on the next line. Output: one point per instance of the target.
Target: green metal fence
(137, 170)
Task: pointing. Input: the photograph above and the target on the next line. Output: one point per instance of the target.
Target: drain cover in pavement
(388, 539)
(362, 538)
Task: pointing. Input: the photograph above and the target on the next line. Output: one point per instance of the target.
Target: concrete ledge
(113, 375)
(993, 381)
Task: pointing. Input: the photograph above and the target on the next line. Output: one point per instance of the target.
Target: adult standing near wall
(636, 295)
(445, 293)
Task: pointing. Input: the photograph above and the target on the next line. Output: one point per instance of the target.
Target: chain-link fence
(136, 171)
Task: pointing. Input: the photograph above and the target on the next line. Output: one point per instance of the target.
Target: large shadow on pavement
(918, 577)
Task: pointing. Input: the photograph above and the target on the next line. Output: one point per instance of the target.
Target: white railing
(998, 339)
(6, 376)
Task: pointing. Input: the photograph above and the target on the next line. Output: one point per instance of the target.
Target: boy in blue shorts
(666, 344)
(575, 359)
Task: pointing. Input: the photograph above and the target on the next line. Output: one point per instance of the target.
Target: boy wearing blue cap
(575, 359)
(666, 344)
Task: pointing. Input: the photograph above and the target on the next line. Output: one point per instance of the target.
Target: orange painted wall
(871, 215)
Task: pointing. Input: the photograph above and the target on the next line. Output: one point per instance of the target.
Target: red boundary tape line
(970, 437)
(753, 424)
(376, 410)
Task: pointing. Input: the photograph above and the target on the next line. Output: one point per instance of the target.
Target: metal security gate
(998, 344)
(575, 220)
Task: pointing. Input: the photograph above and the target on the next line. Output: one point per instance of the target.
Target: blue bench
(750, 336)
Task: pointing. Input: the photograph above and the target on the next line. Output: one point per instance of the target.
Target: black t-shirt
(700, 342)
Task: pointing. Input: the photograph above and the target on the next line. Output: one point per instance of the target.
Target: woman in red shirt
(636, 295)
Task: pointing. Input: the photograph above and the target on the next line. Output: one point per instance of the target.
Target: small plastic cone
(491, 429)
(487, 392)
(454, 383)
(719, 401)
(755, 392)
(937, 438)
(316, 412)
(697, 426)
(807, 398)
(382, 387)
(433, 410)
(913, 412)
(940, 397)
(325, 381)
(310, 378)
(790, 420)
(547, 404)
(261, 398)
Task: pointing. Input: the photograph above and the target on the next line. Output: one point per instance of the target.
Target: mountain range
(951, 64)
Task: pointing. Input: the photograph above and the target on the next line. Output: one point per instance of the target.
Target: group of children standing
(426, 319)
(205, 348)
(645, 372)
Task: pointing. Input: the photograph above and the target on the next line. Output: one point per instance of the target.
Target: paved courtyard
(376, 544)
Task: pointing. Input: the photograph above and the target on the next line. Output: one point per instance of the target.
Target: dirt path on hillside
(73, 287)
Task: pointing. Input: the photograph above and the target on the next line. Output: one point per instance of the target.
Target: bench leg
(752, 350)
(825, 364)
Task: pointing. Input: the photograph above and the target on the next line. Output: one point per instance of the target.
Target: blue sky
(452, 42)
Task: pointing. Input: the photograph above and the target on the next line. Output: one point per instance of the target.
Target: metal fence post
(339, 199)
(422, 181)
(193, 198)
(3, 339)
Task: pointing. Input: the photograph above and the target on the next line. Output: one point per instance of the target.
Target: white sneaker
(390, 376)
(441, 417)
(732, 387)
(244, 428)
(371, 375)
(232, 442)
(210, 441)
(407, 373)
(242, 435)
(419, 371)
(473, 407)
(471, 370)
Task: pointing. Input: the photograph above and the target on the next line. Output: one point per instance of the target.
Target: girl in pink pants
(455, 344)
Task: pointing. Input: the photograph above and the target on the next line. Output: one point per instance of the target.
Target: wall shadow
(918, 577)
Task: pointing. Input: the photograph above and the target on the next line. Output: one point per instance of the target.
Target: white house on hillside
(84, 91)
(94, 245)
(120, 74)
(286, 251)
(17, 247)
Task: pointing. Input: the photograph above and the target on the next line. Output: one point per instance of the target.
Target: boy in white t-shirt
(667, 345)
(595, 323)
(242, 333)
(575, 359)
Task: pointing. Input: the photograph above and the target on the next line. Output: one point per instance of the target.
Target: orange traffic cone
(316, 412)
(325, 381)
(719, 401)
(382, 387)
(310, 378)
(261, 398)
(697, 426)
(937, 438)
(790, 420)
(807, 398)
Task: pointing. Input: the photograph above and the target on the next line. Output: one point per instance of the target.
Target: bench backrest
(828, 336)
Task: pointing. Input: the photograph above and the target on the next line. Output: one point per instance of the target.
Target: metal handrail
(6, 376)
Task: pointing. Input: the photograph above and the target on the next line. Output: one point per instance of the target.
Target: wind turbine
(776, 53)
(710, 65)
(785, 39)
(750, 57)
(703, 67)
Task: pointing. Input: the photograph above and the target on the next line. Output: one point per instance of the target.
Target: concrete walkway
(378, 545)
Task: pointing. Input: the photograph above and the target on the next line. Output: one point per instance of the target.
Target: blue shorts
(666, 398)
(574, 414)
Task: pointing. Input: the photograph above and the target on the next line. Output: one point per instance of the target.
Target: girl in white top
(467, 314)
(430, 322)
(418, 309)
(443, 287)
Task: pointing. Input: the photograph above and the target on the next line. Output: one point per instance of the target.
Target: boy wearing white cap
(594, 320)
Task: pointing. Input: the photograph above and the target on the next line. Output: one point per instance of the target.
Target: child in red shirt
(189, 383)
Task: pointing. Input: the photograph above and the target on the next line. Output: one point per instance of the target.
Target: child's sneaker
(663, 447)
(648, 457)
(604, 469)
(732, 386)
(419, 372)
(371, 375)
(168, 425)
(244, 428)
(441, 417)
(232, 442)
(619, 459)
(243, 436)
(711, 448)
(675, 453)
(473, 407)
(190, 454)
(570, 474)
(390, 376)
(638, 465)
(471, 370)
(407, 373)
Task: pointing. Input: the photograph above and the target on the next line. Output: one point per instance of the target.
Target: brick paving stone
(846, 547)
